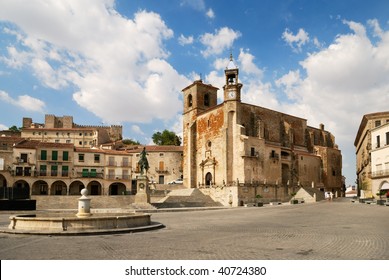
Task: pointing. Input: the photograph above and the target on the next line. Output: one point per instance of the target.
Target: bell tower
(198, 97)
(232, 86)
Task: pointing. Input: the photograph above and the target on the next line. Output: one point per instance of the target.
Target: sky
(123, 62)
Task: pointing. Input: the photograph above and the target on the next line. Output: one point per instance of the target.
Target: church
(259, 151)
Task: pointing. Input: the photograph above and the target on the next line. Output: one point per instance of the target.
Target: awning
(385, 186)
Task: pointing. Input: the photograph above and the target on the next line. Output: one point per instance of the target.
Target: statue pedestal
(142, 190)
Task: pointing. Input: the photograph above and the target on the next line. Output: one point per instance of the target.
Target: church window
(206, 99)
(190, 100)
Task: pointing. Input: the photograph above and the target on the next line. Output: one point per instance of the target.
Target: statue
(143, 162)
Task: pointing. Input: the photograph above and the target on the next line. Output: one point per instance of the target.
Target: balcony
(161, 170)
(117, 177)
(380, 174)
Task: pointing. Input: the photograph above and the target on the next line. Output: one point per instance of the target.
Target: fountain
(84, 222)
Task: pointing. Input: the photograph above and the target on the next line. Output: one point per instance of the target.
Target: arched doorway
(117, 189)
(3, 186)
(94, 188)
(40, 188)
(58, 188)
(76, 187)
(20, 190)
(384, 189)
(208, 179)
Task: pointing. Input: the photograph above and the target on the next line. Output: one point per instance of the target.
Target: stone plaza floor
(337, 230)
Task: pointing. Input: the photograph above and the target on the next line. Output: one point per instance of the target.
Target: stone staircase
(186, 198)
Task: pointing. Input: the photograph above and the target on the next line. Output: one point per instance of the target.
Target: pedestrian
(331, 196)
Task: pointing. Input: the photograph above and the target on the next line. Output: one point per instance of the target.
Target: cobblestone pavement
(326, 230)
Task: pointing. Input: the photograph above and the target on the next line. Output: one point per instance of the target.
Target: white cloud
(210, 13)
(182, 40)
(296, 41)
(25, 102)
(341, 83)
(3, 127)
(246, 60)
(218, 42)
(116, 65)
(136, 128)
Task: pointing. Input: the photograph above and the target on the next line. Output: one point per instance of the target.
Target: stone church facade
(253, 148)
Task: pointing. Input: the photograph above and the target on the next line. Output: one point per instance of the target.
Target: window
(54, 170)
(68, 141)
(79, 142)
(161, 154)
(190, 100)
(161, 166)
(252, 152)
(387, 138)
(85, 172)
(81, 157)
(206, 99)
(43, 155)
(65, 155)
(42, 170)
(65, 171)
(93, 173)
(54, 155)
(56, 141)
(97, 158)
(378, 141)
(125, 161)
(377, 123)
(23, 157)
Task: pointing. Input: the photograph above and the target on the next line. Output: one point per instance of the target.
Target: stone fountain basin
(67, 223)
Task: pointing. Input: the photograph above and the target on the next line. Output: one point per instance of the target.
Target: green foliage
(14, 128)
(130, 142)
(166, 138)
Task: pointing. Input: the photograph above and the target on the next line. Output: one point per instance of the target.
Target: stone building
(364, 144)
(63, 130)
(380, 160)
(165, 162)
(46, 169)
(258, 150)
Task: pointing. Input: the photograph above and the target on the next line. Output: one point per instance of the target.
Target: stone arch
(94, 188)
(20, 190)
(3, 181)
(40, 187)
(76, 187)
(116, 188)
(384, 185)
(58, 188)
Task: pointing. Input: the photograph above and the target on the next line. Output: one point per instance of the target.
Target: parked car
(177, 181)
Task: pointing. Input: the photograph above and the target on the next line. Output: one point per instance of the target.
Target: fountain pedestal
(84, 204)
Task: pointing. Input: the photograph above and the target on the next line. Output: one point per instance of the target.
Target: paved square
(325, 230)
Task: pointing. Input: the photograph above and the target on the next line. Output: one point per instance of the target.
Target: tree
(14, 128)
(130, 142)
(166, 138)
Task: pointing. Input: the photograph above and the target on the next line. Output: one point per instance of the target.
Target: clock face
(231, 94)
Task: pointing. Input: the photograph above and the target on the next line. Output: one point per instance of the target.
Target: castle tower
(198, 97)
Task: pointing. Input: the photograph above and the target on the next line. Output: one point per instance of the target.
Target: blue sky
(125, 62)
